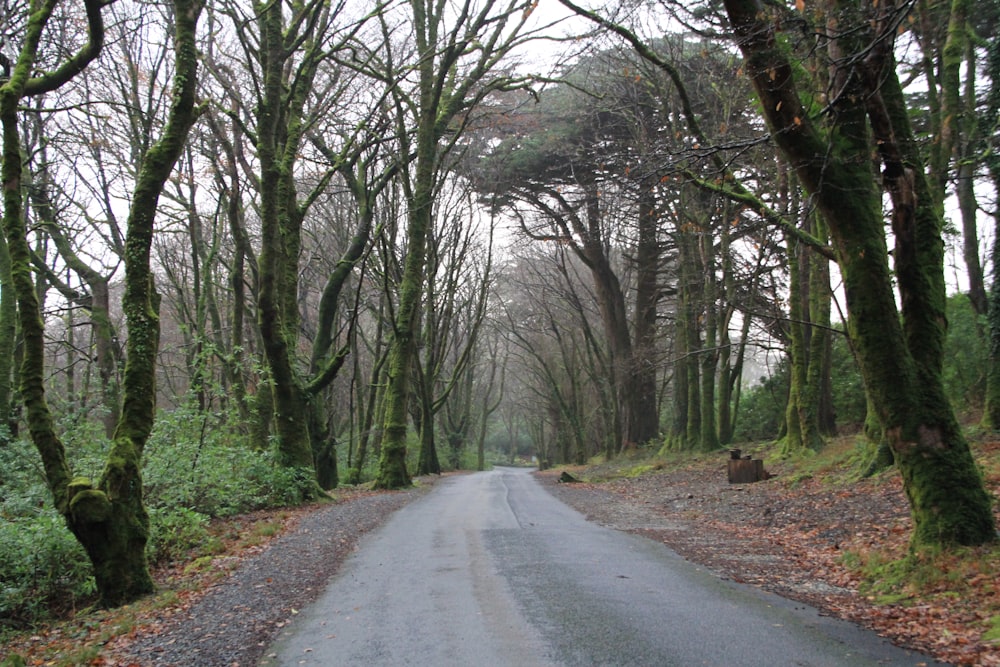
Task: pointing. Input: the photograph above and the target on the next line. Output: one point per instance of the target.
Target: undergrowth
(196, 468)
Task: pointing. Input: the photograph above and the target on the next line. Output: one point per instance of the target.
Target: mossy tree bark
(819, 389)
(958, 139)
(284, 119)
(793, 440)
(900, 361)
(8, 335)
(446, 86)
(122, 536)
(279, 136)
(107, 517)
(991, 410)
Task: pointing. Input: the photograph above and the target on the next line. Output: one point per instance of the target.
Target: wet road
(490, 569)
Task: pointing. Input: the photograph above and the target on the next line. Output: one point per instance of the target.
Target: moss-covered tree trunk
(8, 334)
(445, 89)
(900, 362)
(291, 51)
(991, 410)
(107, 517)
(819, 388)
(806, 353)
(277, 318)
(792, 441)
(392, 471)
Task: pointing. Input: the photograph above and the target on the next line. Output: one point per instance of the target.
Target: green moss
(78, 484)
(993, 634)
(642, 469)
(90, 506)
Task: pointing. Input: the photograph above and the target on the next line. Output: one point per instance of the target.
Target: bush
(173, 532)
(762, 408)
(193, 461)
(43, 570)
(195, 467)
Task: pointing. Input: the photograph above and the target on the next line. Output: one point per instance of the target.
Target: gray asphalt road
(490, 569)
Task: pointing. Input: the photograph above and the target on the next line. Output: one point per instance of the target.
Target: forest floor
(812, 532)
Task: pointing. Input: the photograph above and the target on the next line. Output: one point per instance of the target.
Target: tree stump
(746, 471)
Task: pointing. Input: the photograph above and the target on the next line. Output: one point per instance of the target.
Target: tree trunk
(819, 390)
(709, 356)
(8, 334)
(645, 416)
(900, 363)
(690, 289)
(427, 460)
(392, 472)
(991, 411)
(807, 343)
(108, 518)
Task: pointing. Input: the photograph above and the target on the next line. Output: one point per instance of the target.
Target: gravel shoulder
(236, 619)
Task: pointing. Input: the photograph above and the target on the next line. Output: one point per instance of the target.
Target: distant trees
(569, 167)
(457, 65)
(606, 166)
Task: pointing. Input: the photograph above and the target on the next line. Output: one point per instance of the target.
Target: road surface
(489, 569)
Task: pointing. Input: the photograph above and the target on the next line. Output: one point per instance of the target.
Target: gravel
(234, 623)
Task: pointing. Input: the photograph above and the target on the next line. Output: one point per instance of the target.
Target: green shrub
(195, 467)
(195, 462)
(173, 532)
(43, 569)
